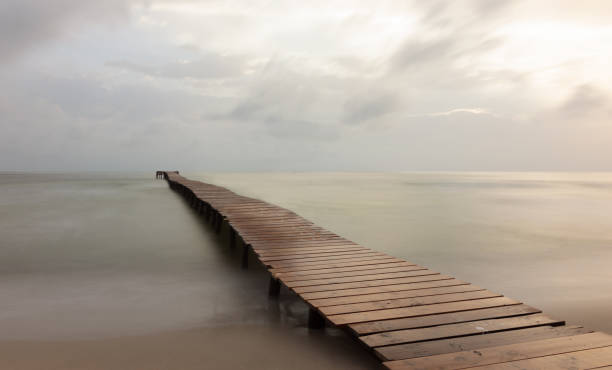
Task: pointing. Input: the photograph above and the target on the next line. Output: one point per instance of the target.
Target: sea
(93, 256)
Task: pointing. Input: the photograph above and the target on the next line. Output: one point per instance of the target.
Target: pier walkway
(407, 315)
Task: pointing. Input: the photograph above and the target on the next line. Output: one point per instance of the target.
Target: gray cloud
(367, 105)
(208, 66)
(415, 52)
(288, 104)
(267, 87)
(449, 31)
(587, 101)
(25, 24)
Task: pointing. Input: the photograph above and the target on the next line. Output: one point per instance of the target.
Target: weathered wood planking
(505, 353)
(457, 330)
(408, 316)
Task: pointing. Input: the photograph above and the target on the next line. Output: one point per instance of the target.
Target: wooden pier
(407, 315)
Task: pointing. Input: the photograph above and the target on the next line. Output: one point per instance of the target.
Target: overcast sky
(305, 85)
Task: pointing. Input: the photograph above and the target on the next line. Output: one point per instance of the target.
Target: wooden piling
(315, 320)
(219, 223)
(232, 240)
(274, 287)
(245, 256)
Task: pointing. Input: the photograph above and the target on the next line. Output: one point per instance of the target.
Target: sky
(465, 85)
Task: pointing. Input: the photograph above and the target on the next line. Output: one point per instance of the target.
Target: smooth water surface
(544, 238)
(93, 259)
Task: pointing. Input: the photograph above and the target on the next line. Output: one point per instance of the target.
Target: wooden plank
(283, 235)
(590, 358)
(244, 208)
(302, 243)
(509, 352)
(297, 264)
(380, 289)
(311, 253)
(406, 302)
(339, 269)
(274, 226)
(371, 283)
(323, 255)
(457, 330)
(305, 242)
(254, 215)
(394, 313)
(353, 273)
(246, 229)
(305, 260)
(293, 237)
(340, 264)
(393, 295)
(295, 224)
(286, 225)
(441, 319)
(268, 216)
(475, 342)
(257, 218)
(270, 245)
(309, 249)
(306, 250)
(285, 230)
(271, 236)
(296, 242)
(280, 236)
(358, 278)
(274, 211)
(249, 225)
(243, 205)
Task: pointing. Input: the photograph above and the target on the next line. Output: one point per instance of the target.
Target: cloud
(25, 24)
(368, 104)
(448, 33)
(209, 66)
(451, 112)
(285, 102)
(415, 52)
(587, 101)
(304, 85)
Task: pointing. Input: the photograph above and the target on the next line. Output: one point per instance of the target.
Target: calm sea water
(99, 255)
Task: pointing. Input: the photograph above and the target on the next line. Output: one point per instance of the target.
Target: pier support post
(245, 256)
(315, 320)
(232, 240)
(219, 223)
(213, 219)
(274, 287)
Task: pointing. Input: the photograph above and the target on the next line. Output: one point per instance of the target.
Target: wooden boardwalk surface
(409, 316)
